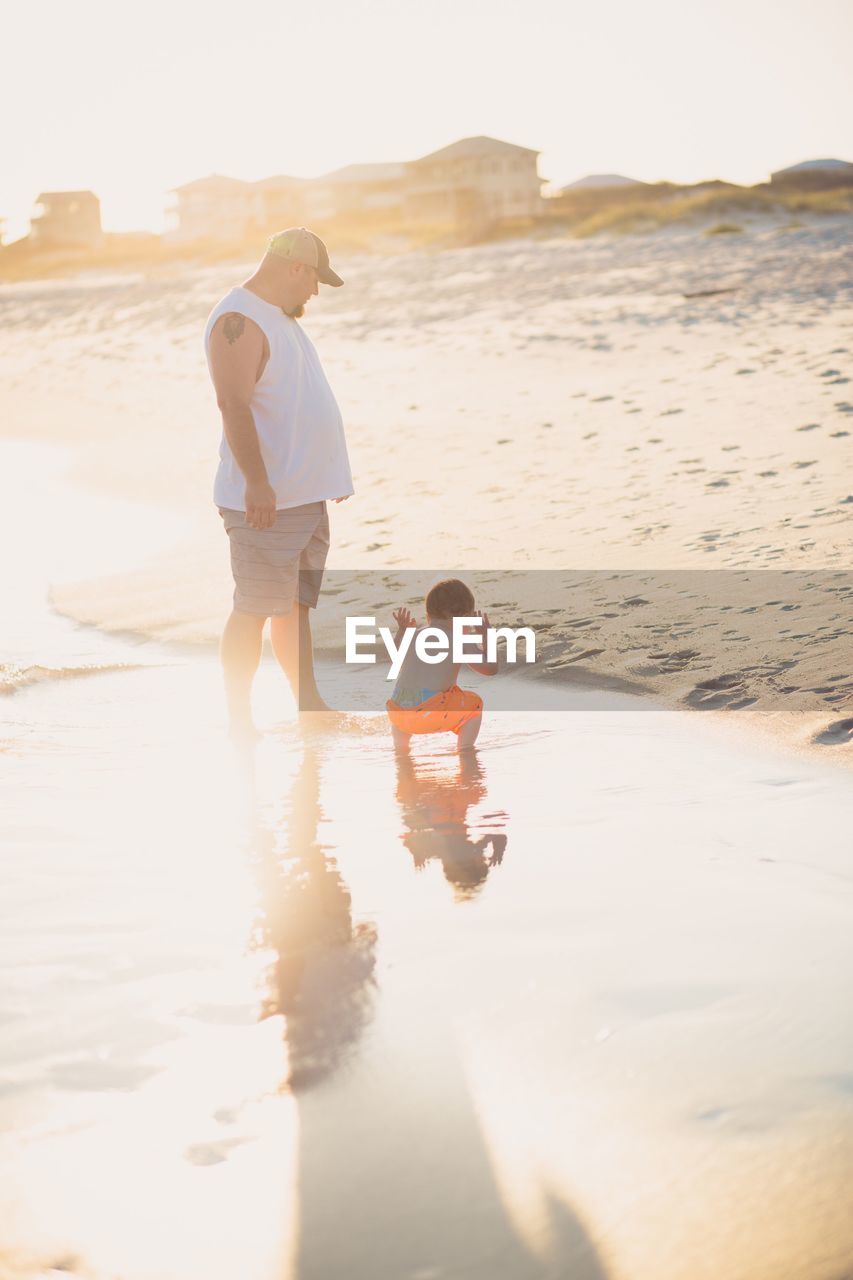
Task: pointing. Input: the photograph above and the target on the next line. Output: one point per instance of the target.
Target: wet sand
(581, 1004)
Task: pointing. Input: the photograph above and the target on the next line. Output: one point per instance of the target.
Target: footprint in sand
(674, 662)
(579, 657)
(207, 1153)
(835, 734)
(726, 691)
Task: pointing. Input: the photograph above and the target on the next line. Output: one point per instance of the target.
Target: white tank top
(297, 418)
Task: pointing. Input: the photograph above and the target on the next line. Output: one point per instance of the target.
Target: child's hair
(450, 599)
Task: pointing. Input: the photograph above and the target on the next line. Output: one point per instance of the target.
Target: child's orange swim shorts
(449, 710)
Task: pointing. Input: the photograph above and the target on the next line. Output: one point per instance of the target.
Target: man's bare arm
(238, 353)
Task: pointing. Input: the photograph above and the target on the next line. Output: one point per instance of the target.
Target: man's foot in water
(317, 715)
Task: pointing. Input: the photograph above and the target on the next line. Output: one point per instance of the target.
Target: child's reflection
(435, 808)
(321, 978)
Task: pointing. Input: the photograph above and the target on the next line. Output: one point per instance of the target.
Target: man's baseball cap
(301, 245)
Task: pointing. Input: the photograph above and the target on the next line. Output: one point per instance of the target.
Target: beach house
(815, 175)
(215, 208)
(230, 209)
(474, 183)
(363, 190)
(282, 202)
(64, 218)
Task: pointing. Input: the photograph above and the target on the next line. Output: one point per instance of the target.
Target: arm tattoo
(233, 326)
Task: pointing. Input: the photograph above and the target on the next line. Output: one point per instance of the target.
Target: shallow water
(49, 530)
(583, 1002)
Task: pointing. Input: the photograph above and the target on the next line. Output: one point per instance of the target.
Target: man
(283, 456)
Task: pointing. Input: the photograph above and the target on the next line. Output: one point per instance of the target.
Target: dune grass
(632, 210)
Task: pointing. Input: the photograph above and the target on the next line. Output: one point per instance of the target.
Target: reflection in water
(435, 810)
(395, 1177)
(322, 977)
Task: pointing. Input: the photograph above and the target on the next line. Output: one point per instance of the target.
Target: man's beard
(296, 312)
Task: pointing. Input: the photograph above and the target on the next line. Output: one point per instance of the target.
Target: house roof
(812, 166)
(355, 173)
(279, 180)
(215, 182)
(594, 181)
(468, 148)
(65, 195)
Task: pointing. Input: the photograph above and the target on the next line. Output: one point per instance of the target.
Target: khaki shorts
(273, 567)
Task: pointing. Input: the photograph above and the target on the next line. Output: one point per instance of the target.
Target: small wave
(13, 678)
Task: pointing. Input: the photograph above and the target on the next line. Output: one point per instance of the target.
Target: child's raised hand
(403, 618)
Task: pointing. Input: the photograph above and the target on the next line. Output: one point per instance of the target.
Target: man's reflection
(435, 809)
(322, 976)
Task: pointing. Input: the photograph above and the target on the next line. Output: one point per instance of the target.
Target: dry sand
(587, 406)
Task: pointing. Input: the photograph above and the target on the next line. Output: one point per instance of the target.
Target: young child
(426, 697)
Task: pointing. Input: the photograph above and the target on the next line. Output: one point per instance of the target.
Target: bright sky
(131, 100)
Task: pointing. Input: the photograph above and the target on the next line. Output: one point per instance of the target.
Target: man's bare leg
(294, 649)
(240, 652)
